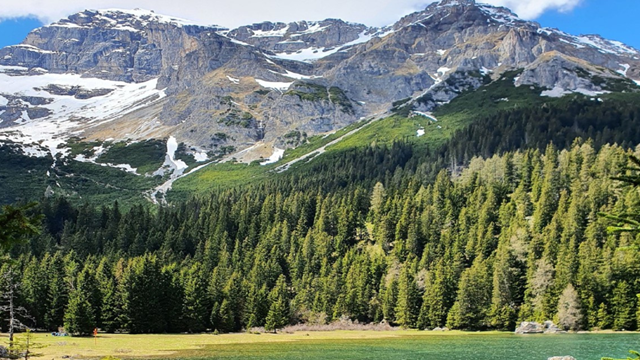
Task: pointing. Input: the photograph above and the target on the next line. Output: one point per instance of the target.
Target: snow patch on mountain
(282, 86)
(558, 91)
(172, 147)
(625, 69)
(314, 28)
(270, 33)
(275, 157)
(201, 156)
(31, 48)
(296, 76)
(312, 54)
(35, 151)
(69, 115)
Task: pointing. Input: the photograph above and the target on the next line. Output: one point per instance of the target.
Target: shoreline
(170, 346)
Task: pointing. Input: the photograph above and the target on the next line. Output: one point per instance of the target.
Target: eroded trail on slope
(321, 150)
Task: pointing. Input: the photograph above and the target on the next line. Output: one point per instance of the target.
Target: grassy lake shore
(294, 346)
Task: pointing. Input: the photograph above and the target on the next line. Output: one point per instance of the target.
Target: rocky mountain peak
(120, 19)
(463, 14)
(457, 3)
(219, 89)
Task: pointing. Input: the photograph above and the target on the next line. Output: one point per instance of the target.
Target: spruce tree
(195, 300)
(408, 304)
(623, 307)
(473, 300)
(278, 315)
(79, 318)
(57, 297)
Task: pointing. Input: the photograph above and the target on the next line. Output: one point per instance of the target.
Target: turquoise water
(463, 347)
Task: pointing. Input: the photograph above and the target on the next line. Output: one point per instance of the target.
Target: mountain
(86, 87)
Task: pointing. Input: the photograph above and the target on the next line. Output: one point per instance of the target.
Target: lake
(450, 347)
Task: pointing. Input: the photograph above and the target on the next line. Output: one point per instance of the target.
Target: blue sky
(613, 19)
(13, 31)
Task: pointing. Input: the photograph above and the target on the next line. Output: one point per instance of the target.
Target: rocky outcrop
(76, 91)
(19, 109)
(562, 358)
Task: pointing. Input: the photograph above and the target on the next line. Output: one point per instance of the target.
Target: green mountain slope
(496, 117)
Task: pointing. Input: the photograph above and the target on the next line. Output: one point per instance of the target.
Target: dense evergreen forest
(511, 237)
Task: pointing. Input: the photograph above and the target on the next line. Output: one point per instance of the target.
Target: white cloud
(239, 12)
(531, 9)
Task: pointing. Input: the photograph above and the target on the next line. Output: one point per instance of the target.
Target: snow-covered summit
(121, 19)
(597, 42)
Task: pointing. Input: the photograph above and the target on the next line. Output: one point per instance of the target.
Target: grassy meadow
(172, 346)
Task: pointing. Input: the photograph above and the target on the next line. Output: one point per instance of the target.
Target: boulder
(551, 328)
(562, 358)
(530, 327)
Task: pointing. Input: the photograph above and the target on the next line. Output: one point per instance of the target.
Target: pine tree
(604, 318)
(78, 317)
(35, 289)
(408, 304)
(195, 300)
(623, 307)
(111, 306)
(278, 315)
(57, 297)
(389, 301)
(214, 317)
(225, 318)
(473, 300)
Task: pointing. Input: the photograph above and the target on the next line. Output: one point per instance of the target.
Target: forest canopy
(510, 238)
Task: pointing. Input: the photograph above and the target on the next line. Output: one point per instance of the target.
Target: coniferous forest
(508, 238)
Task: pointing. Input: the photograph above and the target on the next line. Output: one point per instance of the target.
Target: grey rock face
(114, 45)
(287, 38)
(562, 358)
(232, 88)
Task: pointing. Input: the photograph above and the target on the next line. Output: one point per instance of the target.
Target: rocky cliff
(135, 74)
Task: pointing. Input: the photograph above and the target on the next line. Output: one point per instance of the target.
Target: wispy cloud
(239, 12)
